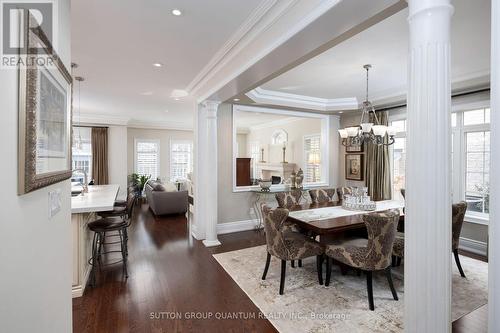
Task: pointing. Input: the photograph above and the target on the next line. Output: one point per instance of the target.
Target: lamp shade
(314, 158)
(366, 127)
(379, 130)
(352, 131)
(391, 130)
(343, 133)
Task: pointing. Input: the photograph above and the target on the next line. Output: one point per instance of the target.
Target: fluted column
(206, 174)
(428, 194)
(493, 228)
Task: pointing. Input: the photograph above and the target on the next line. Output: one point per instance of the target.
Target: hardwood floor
(172, 274)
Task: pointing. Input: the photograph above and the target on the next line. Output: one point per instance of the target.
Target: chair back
(131, 198)
(381, 228)
(274, 219)
(322, 195)
(288, 199)
(458, 215)
(403, 193)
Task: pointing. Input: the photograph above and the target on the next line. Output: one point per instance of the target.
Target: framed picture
(45, 92)
(354, 167)
(354, 149)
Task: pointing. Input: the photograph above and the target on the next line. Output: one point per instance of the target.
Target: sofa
(165, 198)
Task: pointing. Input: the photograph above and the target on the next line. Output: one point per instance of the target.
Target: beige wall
(35, 250)
(164, 136)
(242, 140)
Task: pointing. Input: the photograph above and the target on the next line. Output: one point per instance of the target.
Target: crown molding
(244, 35)
(265, 96)
(113, 120)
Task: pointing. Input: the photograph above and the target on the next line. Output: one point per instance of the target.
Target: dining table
(330, 220)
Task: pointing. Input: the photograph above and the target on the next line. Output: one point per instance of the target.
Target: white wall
(117, 158)
(164, 136)
(35, 251)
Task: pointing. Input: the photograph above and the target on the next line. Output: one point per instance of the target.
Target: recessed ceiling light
(147, 93)
(236, 99)
(341, 112)
(158, 64)
(176, 99)
(176, 12)
(166, 111)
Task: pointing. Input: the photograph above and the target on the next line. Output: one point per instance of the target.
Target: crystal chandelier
(366, 131)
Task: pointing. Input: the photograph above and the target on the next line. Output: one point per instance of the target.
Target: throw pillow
(170, 187)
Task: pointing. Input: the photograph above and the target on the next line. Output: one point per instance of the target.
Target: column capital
(419, 7)
(210, 105)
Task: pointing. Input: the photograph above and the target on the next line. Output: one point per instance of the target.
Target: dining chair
(320, 196)
(341, 191)
(458, 215)
(288, 199)
(368, 255)
(286, 245)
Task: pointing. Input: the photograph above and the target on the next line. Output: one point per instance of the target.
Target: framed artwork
(354, 167)
(45, 94)
(354, 149)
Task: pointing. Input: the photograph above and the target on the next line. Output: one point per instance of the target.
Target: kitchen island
(84, 209)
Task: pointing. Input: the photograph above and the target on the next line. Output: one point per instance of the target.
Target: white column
(493, 228)
(428, 195)
(206, 174)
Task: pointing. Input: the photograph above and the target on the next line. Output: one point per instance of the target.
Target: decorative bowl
(265, 185)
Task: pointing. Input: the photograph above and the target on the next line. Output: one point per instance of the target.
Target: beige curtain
(378, 173)
(100, 155)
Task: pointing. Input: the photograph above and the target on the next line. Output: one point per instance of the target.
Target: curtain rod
(388, 108)
(87, 126)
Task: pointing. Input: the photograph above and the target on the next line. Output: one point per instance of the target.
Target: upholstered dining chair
(341, 191)
(457, 218)
(286, 245)
(320, 196)
(368, 255)
(288, 199)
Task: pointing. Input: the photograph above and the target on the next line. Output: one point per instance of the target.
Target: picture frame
(354, 167)
(45, 111)
(355, 148)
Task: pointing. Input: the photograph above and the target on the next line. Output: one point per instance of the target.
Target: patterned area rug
(343, 306)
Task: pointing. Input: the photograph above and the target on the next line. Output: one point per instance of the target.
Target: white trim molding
(273, 97)
(474, 246)
(237, 226)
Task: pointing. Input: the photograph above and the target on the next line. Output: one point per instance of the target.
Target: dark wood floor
(172, 274)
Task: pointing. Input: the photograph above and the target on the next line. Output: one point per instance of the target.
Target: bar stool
(100, 227)
(131, 189)
(107, 227)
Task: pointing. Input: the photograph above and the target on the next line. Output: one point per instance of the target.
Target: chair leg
(282, 280)
(293, 263)
(398, 259)
(394, 261)
(328, 270)
(369, 286)
(300, 262)
(93, 260)
(319, 266)
(457, 260)
(124, 256)
(268, 261)
(391, 285)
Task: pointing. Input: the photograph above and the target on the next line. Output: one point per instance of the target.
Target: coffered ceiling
(338, 72)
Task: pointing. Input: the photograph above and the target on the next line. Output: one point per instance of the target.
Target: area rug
(343, 306)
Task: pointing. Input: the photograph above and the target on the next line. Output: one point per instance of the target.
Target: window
(312, 154)
(470, 156)
(477, 173)
(181, 159)
(147, 157)
(82, 152)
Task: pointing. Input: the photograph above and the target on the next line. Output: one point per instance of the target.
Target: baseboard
(237, 226)
(77, 291)
(473, 246)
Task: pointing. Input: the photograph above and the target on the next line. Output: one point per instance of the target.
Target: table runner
(326, 213)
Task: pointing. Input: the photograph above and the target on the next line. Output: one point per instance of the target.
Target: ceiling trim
(244, 35)
(97, 119)
(265, 96)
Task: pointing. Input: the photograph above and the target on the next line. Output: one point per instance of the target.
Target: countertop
(100, 198)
